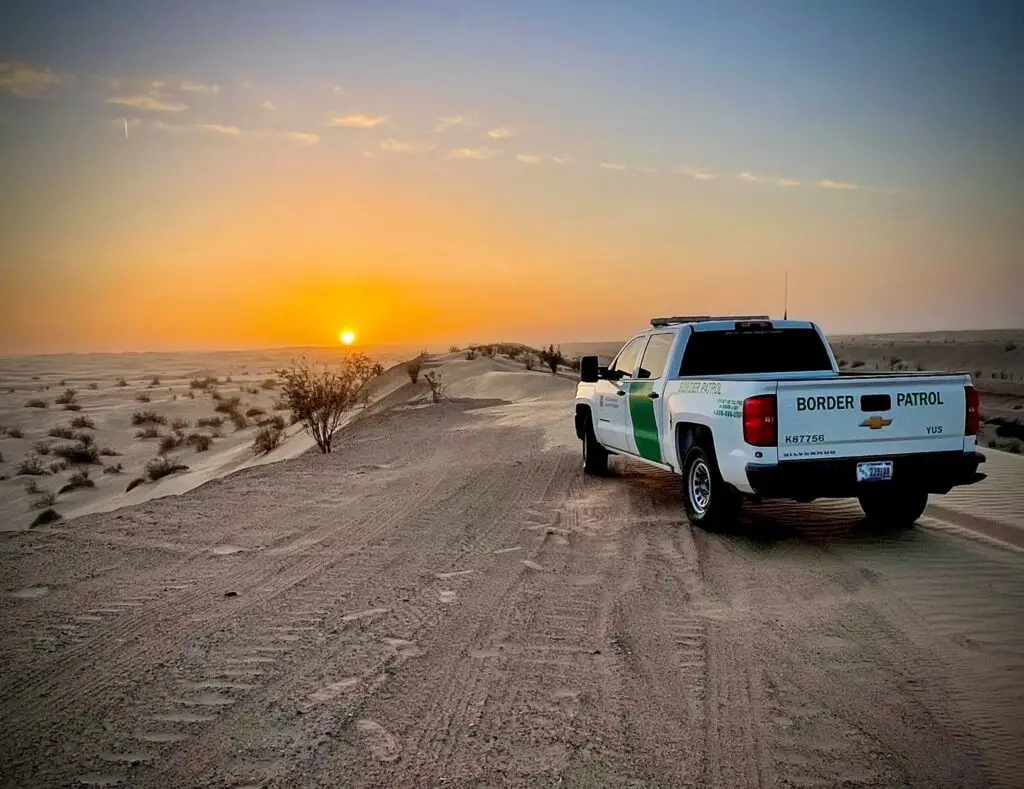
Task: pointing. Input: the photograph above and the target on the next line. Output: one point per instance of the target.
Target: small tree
(413, 367)
(438, 390)
(529, 361)
(552, 357)
(319, 398)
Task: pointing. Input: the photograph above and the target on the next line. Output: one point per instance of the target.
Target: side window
(656, 355)
(625, 362)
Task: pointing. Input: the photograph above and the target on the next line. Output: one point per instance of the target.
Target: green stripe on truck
(641, 415)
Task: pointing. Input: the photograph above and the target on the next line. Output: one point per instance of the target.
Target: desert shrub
(66, 398)
(61, 431)
(270, 383)
(470, 354)
(210, 421)
(44, 500)
(529, 361)
(1014, 447)
(80, 479)
(280, 405)
(275, 421)
(267, 438)
(254, 412)
(413, 367)
(438, 390)
(109, 452)
(77, 453)
(58, 466)
(238, 420)
(16, 432)
(142, 397)
(200, 441)
(454, 349)
(216, 396)
(148, 432)
(46, 516)
(1009, 346)
(30, 467)
(843, 363)
(190, 395)
(170, 442)
(85, 438)
(179, 424)
(72, 407)
(227, 379)
(148, 418)
(94, 386)
(32, 488)
(320, 397)
(227, 405)
(155, 381)
(41, 448)
(1011, 429)
(552, 357)
(251, 390)
(37, 404)
(83, 422)
(117, 468)
(202, 383)
(856, 363)
(163, 466)
(574, 364)
(121, 383)
(977, 373)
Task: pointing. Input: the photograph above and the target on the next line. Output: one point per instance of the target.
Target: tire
(595, 456)
(709, 503)
(894, 507)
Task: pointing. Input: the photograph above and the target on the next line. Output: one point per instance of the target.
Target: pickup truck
(747, 407)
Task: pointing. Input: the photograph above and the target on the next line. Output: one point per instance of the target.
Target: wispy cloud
(217, 128)
(148, 101)
(826, 183)
(646, 169)
(396, 146)
(357, 121)
(302, 138)
(611, 166)
(697, 173)
(223, 130)
(473, 153)
(752, 178)
(530, 158)
(269, 105)
(453, 121)
(337, 90)
(502, 133)
(192, 86)
(27, 81)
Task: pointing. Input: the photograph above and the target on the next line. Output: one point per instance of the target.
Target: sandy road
(449, 602)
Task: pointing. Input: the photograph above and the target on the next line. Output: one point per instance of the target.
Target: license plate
(874, 471)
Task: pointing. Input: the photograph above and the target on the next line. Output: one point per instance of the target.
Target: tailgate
(864, 417)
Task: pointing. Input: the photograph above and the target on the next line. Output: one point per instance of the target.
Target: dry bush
(552, 357)
(37, 403)
(1008, 347)
(94, 386)
(61, 431)
(142, 397)
(30, 467)
(270, 383)
(72, 407)
(58, 466)
(179, 424)
(163, 466)
(85, 438)
(200, 441)
(190, 395)
(77, 453)
(83, 422)
(148, 418)
(121, 383)
(46, 516)
(275, 421)
(267, 439)
(155, 381)
(280, 405)
(80, 479)
(42, 448)
(134, 484)
(227, 405)
(438, 390)
(216, 422)
(202, 383)
(254, 412)
(16, 432)
(471, 354)
(238, 420)
(320, 397)
(44, 500)
(413, 367)
(170, 442)
(67, 397)
(117, 468)
(454, 349)
(32, 488)
(148, 432)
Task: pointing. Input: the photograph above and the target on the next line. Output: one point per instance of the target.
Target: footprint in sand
(31, 592)
(380, 741)
(404, 648)
(533, 565)
(447, 596)
(226, 550)
(366, 614)
(333, 690)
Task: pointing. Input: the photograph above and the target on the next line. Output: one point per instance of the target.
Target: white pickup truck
(750, 407)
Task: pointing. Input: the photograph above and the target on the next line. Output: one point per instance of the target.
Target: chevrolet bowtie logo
(876, 422)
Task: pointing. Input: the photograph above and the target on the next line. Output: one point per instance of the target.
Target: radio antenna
(785, 299)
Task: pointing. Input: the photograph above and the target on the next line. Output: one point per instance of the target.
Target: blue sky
(917, 109)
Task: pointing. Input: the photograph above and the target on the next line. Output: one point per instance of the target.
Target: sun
(347, 337)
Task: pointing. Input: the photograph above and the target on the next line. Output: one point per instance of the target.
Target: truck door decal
(643, 422)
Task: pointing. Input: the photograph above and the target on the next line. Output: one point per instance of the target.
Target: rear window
(754, 351)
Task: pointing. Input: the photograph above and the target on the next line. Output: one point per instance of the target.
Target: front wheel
(709, 503)
(895, 507)
(595, 456)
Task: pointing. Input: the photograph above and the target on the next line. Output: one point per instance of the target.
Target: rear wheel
(899, 507)
(709, 503)
(595, 456)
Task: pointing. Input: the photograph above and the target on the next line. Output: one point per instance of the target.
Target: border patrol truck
(747, 407)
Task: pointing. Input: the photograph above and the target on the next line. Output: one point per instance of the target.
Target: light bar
(676, 319)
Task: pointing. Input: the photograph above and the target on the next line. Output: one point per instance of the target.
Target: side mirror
(589, 369)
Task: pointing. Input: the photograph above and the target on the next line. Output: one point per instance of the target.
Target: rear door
(645, 394)
(612, 400)
(870, 417)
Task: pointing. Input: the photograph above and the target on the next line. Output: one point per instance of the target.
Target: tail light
(972, 412)
(760, 426)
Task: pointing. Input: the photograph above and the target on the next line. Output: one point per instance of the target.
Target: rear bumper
(804, 480)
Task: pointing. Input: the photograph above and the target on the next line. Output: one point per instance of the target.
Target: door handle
(653, 395)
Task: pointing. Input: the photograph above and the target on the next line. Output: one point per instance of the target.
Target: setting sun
(347, 337)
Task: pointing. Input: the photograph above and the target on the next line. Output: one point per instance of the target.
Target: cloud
(753, 178)
(223, 130)
(217, 128)
(357, 121)
(269, 105)
(451, 121)
(529, 158)
(195, 87)
(29, 82)
(473, 153)
(302, 138)
(502, 133)
(609, 166)
(396, 146)
(825, 183)
(697, 173)
(147, 101)
(337, 90)
(646, 169)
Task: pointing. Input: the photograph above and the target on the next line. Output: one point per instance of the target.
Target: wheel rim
(700, 487)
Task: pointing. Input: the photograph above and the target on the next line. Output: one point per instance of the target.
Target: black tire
(897, 507)
(595, 456)
(709, 503)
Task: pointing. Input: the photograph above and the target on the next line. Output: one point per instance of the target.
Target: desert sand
(447, 601)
